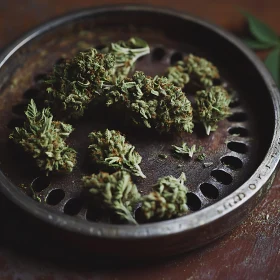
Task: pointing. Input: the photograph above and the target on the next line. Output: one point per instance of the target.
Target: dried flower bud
(153, 102)
(44, 138)
(110, 149)
(168, 200)
(185, 150)
(74, 84)
(115, 192)
(212, 106)
(126, 54)
(195, 70)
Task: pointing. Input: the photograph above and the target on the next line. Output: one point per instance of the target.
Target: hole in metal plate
(231, 162)
(193, 202)
(238, 131)
(222, 177)
(238, 147)
(40, 183)
(209, 191)
(158, 53)
(73, 206)
(177, 56)
(238, 117)
(94, 214)
(234, 103)
(55, 196)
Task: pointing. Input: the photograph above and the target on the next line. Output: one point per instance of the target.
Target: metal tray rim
(253, 186)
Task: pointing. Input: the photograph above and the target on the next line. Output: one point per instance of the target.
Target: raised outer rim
(249, 189)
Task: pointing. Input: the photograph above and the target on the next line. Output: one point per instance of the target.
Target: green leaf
(260, 30)
(272, 63)
(257, 45)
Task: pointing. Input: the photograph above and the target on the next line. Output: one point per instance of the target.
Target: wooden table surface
(251, 251)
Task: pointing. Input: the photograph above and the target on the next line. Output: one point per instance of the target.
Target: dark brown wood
(251, 251)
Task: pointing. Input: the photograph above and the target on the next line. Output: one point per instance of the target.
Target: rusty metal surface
(26, 67)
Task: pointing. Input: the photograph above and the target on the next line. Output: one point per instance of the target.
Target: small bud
(74, 84)
(44, 138)
(110, 149)
(168, 200)
(153, 103)
(185, 150)
(126, 54)
(212, 106)
(195, 70)
(115, 192)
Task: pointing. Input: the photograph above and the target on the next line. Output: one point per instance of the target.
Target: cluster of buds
(75, 83)
(168, 199)
(110, 150)
(195, 70)
(158, 103)
(153, 103)
(44, 139)
(115, 192)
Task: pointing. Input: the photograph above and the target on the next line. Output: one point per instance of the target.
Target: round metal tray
(244, 150)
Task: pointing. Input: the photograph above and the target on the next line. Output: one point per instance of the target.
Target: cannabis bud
(110, 149)
(195, 70)
(74, 84)
(153, 102)
(168, 200)
(115, 192)
(212, 106)
(44, 139)
(185, 149)
(126, 54)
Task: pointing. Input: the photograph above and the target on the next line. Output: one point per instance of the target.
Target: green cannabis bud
(44, 139)
(115, 192)
(168, 200)
(110, 149)
(212, 106)
(126, 54)
(185, 149)
(195, 70)
(74, 84)
(153, 103)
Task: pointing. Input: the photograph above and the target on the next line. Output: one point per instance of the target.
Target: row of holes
(234, 163)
